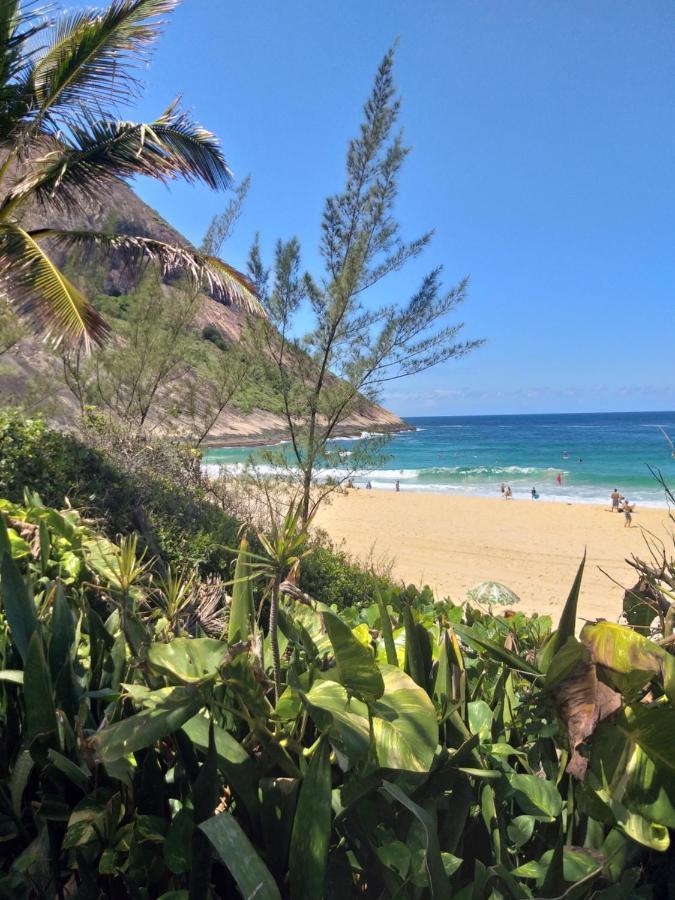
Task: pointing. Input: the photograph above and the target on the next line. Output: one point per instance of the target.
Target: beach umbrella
(492, 593)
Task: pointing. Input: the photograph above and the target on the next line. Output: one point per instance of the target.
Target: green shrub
(215, 336)
(332, 574)
(419, 750)
(127, 493)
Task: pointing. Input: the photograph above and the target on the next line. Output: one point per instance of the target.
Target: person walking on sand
(615, 496)
(627, 511)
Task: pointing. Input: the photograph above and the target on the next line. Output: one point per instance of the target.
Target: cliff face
(120, 211)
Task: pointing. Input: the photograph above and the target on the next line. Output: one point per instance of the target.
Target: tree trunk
(306, 494)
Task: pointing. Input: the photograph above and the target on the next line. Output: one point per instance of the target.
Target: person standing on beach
(615, 496)
(535, 495)
(508, 494)
(627, 510)
(398, 485)
(503, 488)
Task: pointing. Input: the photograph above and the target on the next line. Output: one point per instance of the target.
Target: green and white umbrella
(492, 593)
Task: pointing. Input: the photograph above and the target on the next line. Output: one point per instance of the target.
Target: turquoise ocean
(593, 453)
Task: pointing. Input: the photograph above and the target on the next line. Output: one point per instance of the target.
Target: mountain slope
(27, 370)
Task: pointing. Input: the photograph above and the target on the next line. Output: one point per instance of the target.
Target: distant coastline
(568, 458)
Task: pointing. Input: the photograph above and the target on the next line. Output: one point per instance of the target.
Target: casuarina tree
(354, 345)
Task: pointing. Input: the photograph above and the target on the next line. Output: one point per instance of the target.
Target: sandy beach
(534, 547)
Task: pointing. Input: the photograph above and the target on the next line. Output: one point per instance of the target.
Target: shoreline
(534, 547)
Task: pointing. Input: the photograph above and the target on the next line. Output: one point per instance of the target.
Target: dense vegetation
(194, 707)
(151, 488)
(411, 748)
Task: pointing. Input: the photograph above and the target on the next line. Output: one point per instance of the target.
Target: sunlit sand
(534, 547)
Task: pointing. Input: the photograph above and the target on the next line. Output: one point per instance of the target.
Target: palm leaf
(220, 280)
(173, 146)
(46, 297)
(19, 23)
(90, 59)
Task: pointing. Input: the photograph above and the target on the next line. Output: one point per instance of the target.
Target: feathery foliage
(353, 347)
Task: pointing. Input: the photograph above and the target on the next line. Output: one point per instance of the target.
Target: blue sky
(543, 143)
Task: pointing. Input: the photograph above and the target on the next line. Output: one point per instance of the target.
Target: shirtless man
(615, 497)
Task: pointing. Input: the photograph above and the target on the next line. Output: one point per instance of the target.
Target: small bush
(152, 489)
(333, 575)
(213, 334)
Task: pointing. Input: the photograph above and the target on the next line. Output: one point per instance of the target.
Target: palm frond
(213, 275)
(19, 23)
(171, 147)
(90, 60)
(46, 298)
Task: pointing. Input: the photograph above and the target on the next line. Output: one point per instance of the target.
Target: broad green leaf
(38, 695)
(433, 863)
(92, 820)
(480, 719)
(78, 775)
(342, 718)
(311, 832)
(178, 842)
(495, 650)
(187, 660)
(627, 774)
(17, 602)
(241, 606)
(18, 547)
(414, 657)
(404, 724)
(488, 810)
(566, 659)
(653, 728)
(405, 729)
(233, 761)
(578, 863)
(520, 829)
(442, 681)
(238, 854)
(385, 627)
(143, 729)
(623, 650)
(356, 666)
(553, 884)
(278, 799)
(311, 620)
(23, 766)
(205, 794)
(63, 633)
(395, 856)
(13, 675)
(362, 635)
(536, 796)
